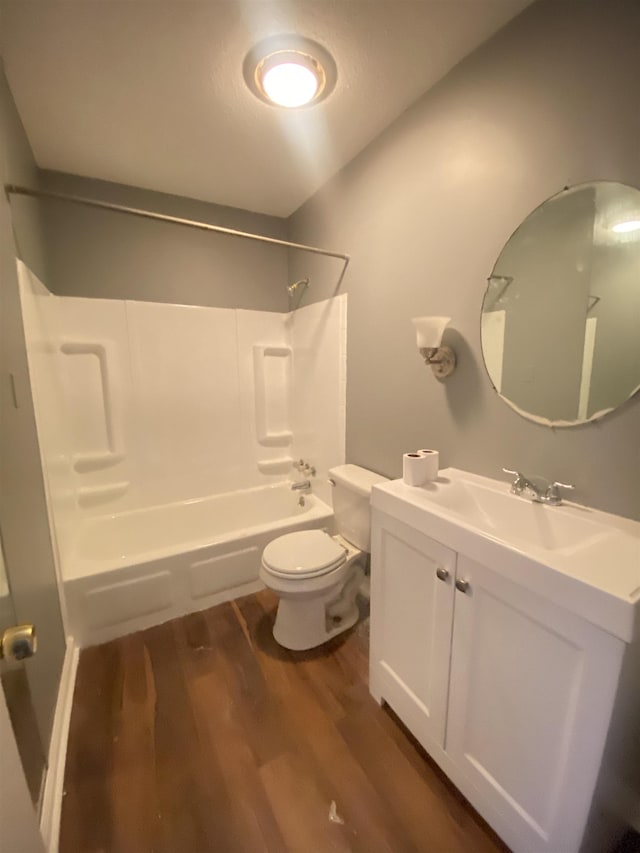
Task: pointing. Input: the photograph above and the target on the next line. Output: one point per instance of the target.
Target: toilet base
(292, 634)
(306, 622)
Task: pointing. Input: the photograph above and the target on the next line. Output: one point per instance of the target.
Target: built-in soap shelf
(89, 496)
(281, 465)
(272, 383)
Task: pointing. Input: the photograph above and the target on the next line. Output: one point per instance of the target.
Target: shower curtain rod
(13, 189)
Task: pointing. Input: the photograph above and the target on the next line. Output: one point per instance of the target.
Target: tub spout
(304, 486)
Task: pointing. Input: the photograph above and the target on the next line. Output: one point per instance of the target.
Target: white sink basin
(585, 559)
(512, 518)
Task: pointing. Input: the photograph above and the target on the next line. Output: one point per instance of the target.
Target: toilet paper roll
(414, 468)
(431, 465)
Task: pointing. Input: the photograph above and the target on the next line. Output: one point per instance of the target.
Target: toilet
(317, 576)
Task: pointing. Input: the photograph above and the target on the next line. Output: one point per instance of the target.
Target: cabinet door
(531, 693)
(411, 614)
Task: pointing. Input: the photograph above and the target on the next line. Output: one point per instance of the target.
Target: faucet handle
(552, 492)
(519, 483)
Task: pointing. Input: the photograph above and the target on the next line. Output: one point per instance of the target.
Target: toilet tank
(351, 491)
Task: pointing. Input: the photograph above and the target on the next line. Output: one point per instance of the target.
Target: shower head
(298, 287)
(292, 288)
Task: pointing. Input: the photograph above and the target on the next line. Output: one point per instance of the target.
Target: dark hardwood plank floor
(202, 734)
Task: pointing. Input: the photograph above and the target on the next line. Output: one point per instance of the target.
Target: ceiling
(151, 93)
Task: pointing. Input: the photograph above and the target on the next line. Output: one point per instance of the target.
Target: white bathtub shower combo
(168, 440)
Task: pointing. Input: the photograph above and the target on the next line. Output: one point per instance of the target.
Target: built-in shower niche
(90, 370)
(272, 376)
(97, 439)
(92, 366)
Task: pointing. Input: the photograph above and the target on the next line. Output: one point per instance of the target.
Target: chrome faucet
(304, 467)
(302, 486)
(545, 494)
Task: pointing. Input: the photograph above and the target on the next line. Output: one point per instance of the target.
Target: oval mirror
(561, 315)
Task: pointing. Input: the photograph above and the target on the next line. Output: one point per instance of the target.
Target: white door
(23, 508)
(531, 693)
(19, 831)
(22, 760)
(411, 614)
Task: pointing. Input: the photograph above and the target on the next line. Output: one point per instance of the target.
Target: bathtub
(128, 571)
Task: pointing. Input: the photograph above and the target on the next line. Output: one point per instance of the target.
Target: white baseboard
(54, 784)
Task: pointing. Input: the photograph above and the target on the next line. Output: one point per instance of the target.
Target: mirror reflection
(561, 314)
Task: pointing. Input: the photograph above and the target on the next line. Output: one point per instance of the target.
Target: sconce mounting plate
(441, 360)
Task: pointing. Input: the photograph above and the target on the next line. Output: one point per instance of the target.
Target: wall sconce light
(429, 330)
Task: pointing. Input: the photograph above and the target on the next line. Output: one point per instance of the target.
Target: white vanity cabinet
(509, 693)
(412, 595)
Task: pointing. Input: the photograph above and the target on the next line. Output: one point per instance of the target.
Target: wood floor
(203, 735)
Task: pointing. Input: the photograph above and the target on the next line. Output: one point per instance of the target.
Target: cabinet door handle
(462, 585)
(443, 574)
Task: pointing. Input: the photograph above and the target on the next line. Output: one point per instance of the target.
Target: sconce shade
(429, 331)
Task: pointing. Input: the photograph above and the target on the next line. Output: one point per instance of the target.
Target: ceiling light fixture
(289, 71)
(625, 227)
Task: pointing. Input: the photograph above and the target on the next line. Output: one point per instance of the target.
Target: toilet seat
(303, 554)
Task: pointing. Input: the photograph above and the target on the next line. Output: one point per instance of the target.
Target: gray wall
(99, 253)
(425, 210)
(23, 510)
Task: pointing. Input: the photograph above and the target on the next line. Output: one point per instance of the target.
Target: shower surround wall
(142, 405)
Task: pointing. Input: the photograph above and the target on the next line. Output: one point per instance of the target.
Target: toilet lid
(303, 554)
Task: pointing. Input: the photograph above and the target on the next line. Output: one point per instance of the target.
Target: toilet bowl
(317, 576)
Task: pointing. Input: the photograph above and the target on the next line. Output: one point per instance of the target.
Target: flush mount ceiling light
(289, 71)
